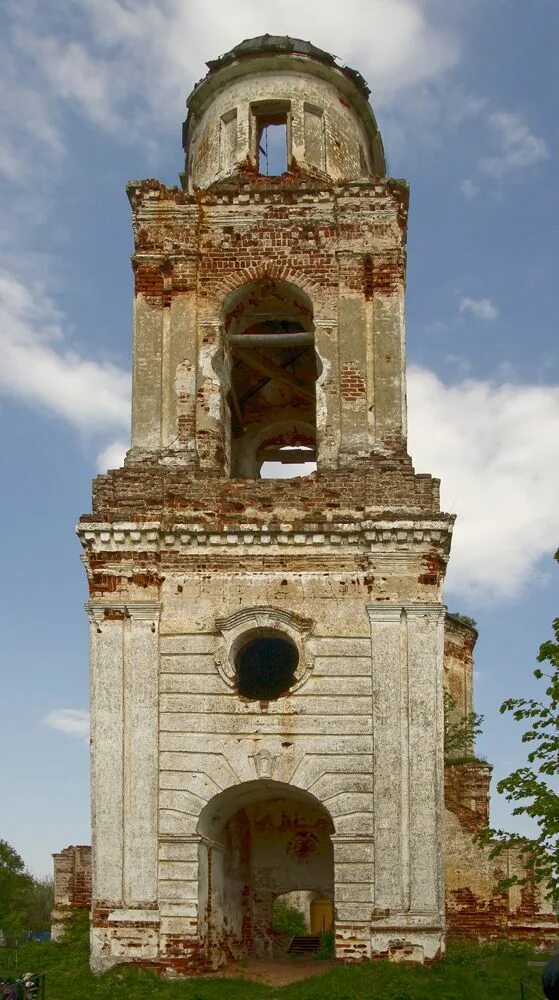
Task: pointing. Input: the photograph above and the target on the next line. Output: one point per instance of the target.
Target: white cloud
(112, 456)
(75, 74)
(490, 444)
(517, 146)
(480, 308)
(111, 48)
(28, 122)
(469, 189)
(74, 721)
(37, 367)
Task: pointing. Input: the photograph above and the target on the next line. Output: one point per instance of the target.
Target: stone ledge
(151, 536)
(133, 916)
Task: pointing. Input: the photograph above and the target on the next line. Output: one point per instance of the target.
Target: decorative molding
(136, 610)
(390, 612)
(264, 763)
(263, 616)
(434, 612)
(382, 612)
(378, 536)
(180, 838)
(235, 626)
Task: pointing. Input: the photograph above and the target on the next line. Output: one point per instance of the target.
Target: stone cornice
(389, 536)
(137, 610)
(391, 612)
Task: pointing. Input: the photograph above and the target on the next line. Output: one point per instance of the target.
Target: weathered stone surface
(269, 314)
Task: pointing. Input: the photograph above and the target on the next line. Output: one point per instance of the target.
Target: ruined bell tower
(267, 653)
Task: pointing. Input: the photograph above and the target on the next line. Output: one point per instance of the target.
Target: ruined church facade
(268, 654)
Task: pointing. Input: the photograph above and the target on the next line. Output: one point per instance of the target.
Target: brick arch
(258, 839)
(280, 272)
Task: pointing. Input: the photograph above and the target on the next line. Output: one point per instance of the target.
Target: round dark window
(266, 666)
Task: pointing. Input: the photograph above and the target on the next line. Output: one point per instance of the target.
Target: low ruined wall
(473, 909)
(72, 885)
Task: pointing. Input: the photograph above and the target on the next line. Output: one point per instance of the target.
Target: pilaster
(106, 641)
(407, 658)
(124, 711)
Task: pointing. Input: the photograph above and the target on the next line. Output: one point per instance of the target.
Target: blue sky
(93, 95)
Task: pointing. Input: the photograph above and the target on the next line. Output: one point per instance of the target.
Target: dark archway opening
(265, 666)
(273, 368)
(259, 840)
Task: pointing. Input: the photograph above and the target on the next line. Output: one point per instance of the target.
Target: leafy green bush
(287, 920)
(326, 950)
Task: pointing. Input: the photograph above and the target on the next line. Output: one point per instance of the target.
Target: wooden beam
(295, 456)
(273, 371)
(249, 393)
(234, 404)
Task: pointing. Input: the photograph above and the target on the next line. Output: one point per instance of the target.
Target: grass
(490, 972)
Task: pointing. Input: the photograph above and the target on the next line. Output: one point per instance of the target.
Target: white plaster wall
(344, 132)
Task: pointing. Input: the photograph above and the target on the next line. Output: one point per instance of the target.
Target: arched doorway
(273, 367)
(259, 840)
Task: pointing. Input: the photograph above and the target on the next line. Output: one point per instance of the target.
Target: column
(328, 431)
(212, 420)
(425, 641)
(353, 361)
(107, 763)
(390, 753)
(141, 766)
(407, 668)
(147, 356)
(389, 359)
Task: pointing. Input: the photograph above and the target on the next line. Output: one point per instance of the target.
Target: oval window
(265, 666)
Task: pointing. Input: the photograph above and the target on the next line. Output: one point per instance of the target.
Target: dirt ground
(274, 972)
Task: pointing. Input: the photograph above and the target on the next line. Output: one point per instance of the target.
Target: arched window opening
(273, 369)
(265, 665)
(271, 131)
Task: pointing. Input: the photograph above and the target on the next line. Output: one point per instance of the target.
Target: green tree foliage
(39, 904)
(460, 731)
(533, 788)
(13, 885)
(465, 619)
(25, 902)
(287, 919)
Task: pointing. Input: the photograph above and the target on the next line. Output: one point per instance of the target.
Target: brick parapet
(374, 488)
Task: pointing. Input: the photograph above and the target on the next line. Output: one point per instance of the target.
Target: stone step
(304, 944)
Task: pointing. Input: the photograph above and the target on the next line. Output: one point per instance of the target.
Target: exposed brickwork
(72, 884)
(269, 312)
(467, 792)
(373, 489)
(474, 909)
(352, 383)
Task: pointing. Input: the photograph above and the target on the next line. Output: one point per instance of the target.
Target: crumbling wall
(459, 643)
(72, 885)
(474, 909)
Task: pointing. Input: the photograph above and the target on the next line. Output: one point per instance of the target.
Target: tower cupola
(275, 104)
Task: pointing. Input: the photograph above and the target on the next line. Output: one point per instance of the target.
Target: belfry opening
(269, 333)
